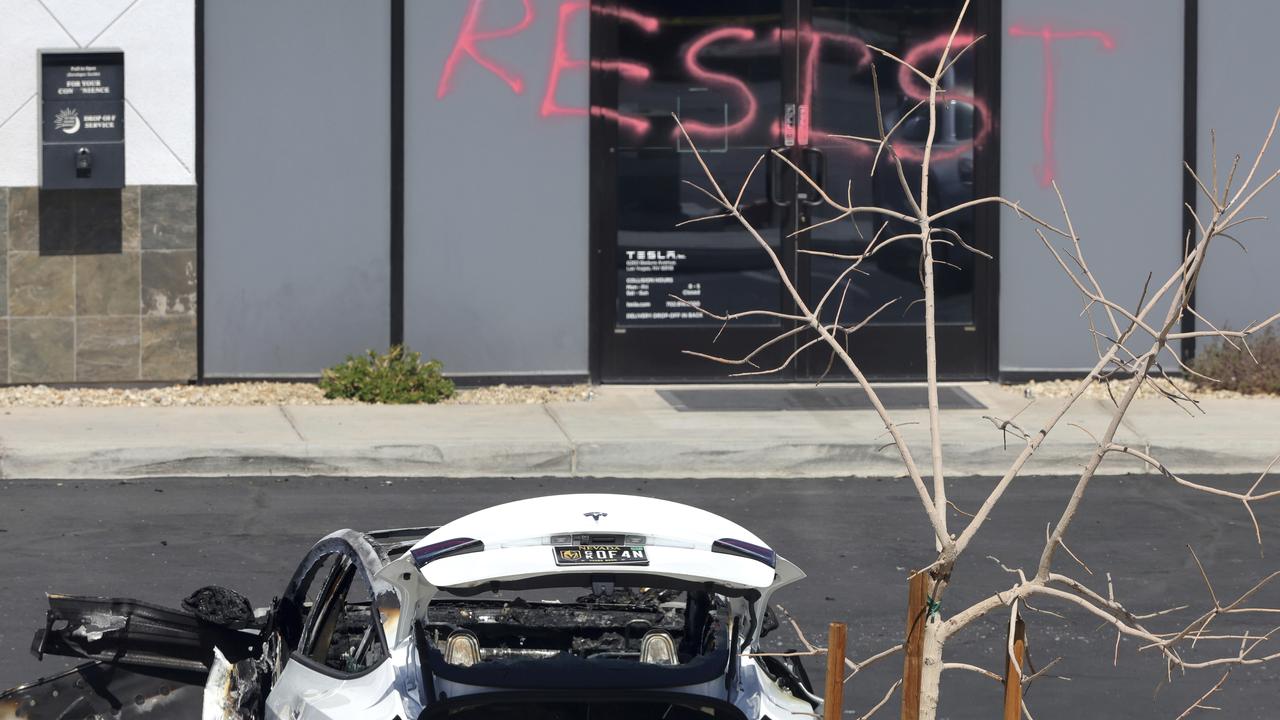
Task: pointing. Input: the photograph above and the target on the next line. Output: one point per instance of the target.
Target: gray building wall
(297, 175)
(496, 211)
(297, 184)
(1238, 95)
(1117, 132)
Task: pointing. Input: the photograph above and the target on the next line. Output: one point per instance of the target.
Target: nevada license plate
(600, 555)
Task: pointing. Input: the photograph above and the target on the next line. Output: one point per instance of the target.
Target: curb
(563, 460)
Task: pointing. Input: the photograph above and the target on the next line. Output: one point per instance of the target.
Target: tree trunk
(931, 672)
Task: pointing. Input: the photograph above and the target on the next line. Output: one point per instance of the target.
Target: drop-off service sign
(82, 119)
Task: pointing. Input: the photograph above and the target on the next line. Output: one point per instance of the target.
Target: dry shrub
(1235, 369)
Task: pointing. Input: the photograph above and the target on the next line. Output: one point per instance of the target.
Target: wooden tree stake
(833, 699)
(1012, 675)
(913, 649)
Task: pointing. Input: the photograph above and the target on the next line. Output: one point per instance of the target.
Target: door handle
(773, 174)
(815, 165)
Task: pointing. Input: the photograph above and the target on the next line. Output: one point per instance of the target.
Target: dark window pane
(837, 65)
(716, 65)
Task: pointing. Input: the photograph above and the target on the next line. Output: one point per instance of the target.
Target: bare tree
(1133, 346)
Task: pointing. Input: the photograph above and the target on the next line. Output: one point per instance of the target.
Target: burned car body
(569, 606)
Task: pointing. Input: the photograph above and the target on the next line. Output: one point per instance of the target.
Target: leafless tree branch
(1130, 342)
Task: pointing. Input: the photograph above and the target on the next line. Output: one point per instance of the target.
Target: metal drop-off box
(81, 119)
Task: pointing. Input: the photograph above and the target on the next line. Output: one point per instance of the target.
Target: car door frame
(304, 681)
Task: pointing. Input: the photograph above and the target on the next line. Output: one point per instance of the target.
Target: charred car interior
(658, 627)
(618, 636)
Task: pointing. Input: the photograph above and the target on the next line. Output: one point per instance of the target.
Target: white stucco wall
(158, 40)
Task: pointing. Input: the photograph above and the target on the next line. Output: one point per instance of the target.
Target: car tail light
(657, 648)
(446, 548)
(729, 546)
(462, 649)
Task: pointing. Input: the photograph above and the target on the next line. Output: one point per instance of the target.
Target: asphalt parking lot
(159, 539)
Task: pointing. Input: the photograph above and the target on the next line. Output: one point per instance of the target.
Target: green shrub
(398, 376)
(1236, 369)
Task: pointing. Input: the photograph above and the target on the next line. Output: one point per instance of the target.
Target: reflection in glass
(837, 62)
(717, 65)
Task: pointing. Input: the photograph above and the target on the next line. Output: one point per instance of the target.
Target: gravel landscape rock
(302, 393)
(260, 393)
(1063, 388)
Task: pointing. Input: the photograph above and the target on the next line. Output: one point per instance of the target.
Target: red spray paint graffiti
(562, 61)
(916, 89)
(644, 22)
(813, 42)
(469, 36)
(1048, 168)
(731, 84)
(744, 107)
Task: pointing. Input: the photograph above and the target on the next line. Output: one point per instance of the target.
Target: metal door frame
(980, 362)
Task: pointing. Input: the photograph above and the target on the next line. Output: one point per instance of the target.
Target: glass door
(720, 65)
(837, 98)
(746, 77)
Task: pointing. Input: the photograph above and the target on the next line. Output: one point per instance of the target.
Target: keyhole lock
(84, 162)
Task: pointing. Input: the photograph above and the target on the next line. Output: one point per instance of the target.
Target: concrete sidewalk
(623, 432)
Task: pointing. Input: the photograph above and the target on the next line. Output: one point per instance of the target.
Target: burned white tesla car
(566, 607)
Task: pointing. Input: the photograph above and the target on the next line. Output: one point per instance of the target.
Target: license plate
(600, 555)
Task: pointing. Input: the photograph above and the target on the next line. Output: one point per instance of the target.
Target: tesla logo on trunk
(595, 515)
